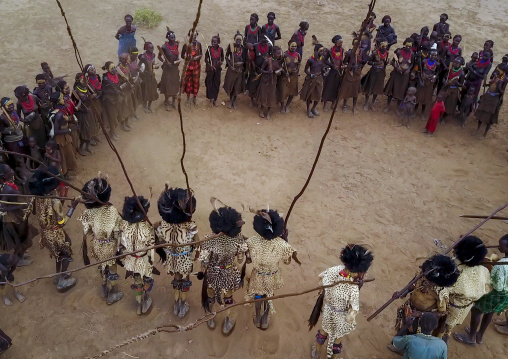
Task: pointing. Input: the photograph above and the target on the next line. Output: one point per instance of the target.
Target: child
(408, 107)
(35, 152)
(437, 110)
(466, 106)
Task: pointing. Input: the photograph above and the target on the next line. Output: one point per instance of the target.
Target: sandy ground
(386, 186)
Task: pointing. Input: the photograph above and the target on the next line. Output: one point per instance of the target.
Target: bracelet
(62, 221)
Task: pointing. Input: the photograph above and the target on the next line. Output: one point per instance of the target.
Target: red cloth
(437, 110)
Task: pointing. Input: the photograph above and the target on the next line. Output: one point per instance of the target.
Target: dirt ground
(392, 188)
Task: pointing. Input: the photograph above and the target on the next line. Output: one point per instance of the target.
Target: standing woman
(373, 82)
(71, 107)
(43, 92)
(266, 96)
(27, 109)
(169, 85)
(449, 54)
(403, 61)
(313, 86)
(194, 54)
(299, 37)
(214, 58)
(271, 30)
(127, 86)
(136, 80)
(147, 73)
(126, 35)
(261, 52)
(289, 83)
(94, 86)
(112, 99)
(442, 26)
(10, 127)
(427, 77)
(351, 82)
(86, 119)
(477, 72)
(235, 63)
(334, 59)
(453, 82)
(253, 33)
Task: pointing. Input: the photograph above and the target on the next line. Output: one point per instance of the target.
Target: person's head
(304, 26)
(457, 62)
(57, 98)
(41, 81)
(175, 205)
(80, 79)
(446, 37)
(486, 55)
(386, 20)
(148, 47)
(133, 53)
(503, 244)
(277, 52)
(132, 212)
(505, 59)
(45, 67)
(268, 223)
(474, 56)
(318, 50)
(501, 69)
(90, 70)
(433, 36)
(41, 183)
(292, 47)
(6, 173)
(51, 146)
(456, 40)
(109, 67)
(194, 37)
(411, 91)
(7, 103)
(226, 220)
(428, 322)
(440, 270)
(63, 87)
(170, 35)
(408, 43)
(254, 18)
(424, 31)
(489, 44)
(443, 18)
(372, 15)
(356, 258)
(470, 251)
(382, 44)
(215, 41)
(337, 41)
(263, 41)
(31, 142)
(238, 38)
(99, 188)
(21, 93)
(124, 58)
(426, 47)
(270, 17)
(471, 90)
(433, 55)
(128, 21)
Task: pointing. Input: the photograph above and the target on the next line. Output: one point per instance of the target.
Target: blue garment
(126, 40)
(421, 346)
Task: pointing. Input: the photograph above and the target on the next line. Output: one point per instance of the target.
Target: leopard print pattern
(341, 301)
(52, 234)
(219, 255)
(266, 276)
(103, 223)
(179, 259)
(135, 236)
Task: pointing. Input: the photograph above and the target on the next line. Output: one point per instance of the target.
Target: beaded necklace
(113, 78)
(262, 50)
(293, 54)
(85, 90)
(432, 66)
(454, 52)
(215, 55)
(481, 64)
(406, 54)
(301, 37)
(381, 56)
(173, 49)
(337, 55)
(94, 81)
(253, 32)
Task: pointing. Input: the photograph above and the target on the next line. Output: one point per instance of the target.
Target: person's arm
(184, 51)
(229, 56)
(265, 68)
(200, 53)
(221, 56)
(307, 68)
(278, 36)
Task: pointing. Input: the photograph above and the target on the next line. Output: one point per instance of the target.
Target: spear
(477, 216)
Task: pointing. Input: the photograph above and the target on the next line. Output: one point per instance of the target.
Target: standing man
(442, 26)
(386, 32)
(299, 37)
(271, 30)
(421, 345)
(126, 35)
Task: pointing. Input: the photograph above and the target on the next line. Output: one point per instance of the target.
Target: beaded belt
(333, 309)
(460, 306)
(223, 267)
(269, 273)
(180, 254)
(492, 94)
(104, 240)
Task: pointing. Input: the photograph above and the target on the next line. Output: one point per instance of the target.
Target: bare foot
(310, 114)
(82, 152)
(19, 296)
(262, 115)
(268, 116)
(315, 112)
(88, 150)
(7, 302)
(230, 105)
(386, 110)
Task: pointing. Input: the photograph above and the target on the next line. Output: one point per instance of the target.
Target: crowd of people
(56, 121)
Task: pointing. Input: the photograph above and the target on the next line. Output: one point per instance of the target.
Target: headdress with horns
(225, 219)
(356, 258)
(268, 223)
(99, 188)
(175, 206)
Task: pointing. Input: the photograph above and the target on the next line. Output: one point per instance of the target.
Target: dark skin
(356, 68)
(335, 64)
(290, 67)
(4, 122)
(271, 66)
(277, 35)
(235, 65)
(376, 60)
(128, 27)
(8, 264)
(149, 51)
(402, 69)
(314, 69)
(195, 44)
(478, 318)
(252, 38)
(213, 66)
(171, 62)
(52, 157)
(428, 74)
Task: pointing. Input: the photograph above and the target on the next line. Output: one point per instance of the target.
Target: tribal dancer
(266, 250)
(472, 284)
(102, 221)
(8, 264)
(137, 233)
(439, 272)
(334, 59)
(373, 81)
(193, 55)
(289, 83)
(177, 227)
(147, 73)
(403, 61)
(169, 86)
(235, 63)
(217, 257)
(52, 220)
(15, 232)
(340, 303)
